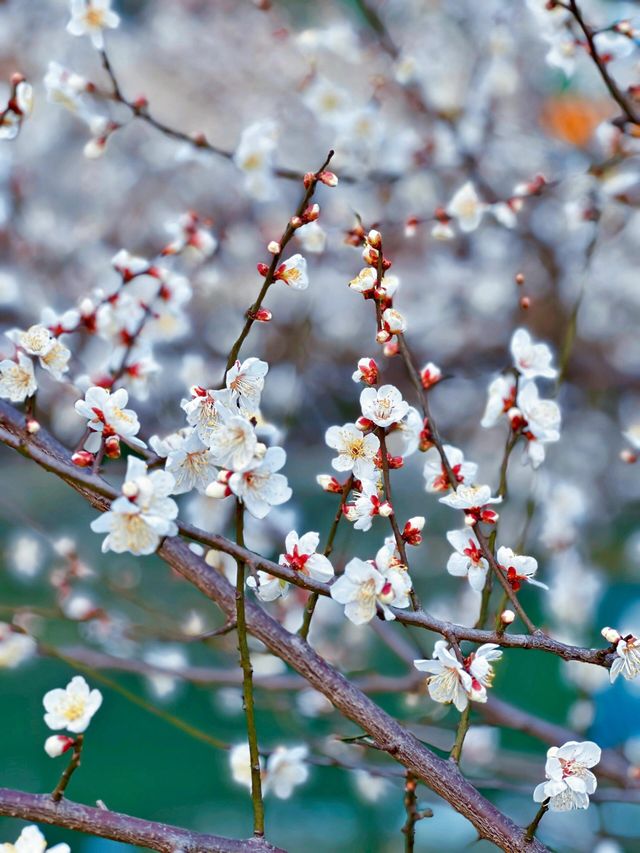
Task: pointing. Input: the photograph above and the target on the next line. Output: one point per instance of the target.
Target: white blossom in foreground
(245, 381)
(473, 500)
(531, 359)
(286, 769)
(569, 779)
(189, 461)
(365, 281)
(31, 840)
(457, 681)
(17, 379)
(362, 587)
(365, 506)
(90, 18)
(539, 420)
(73, 707)
(384, 406)
(234, 444)
(38, 342)
(467, 560)
(15, 647)
(518, 568)
(466, 207)
(293, 272)
(627, 660)
(435, 474)
(356, 452)
(301, 556)
(259, 487)
(106, 416)
(137, 521)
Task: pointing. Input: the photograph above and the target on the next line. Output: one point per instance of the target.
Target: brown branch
(121, 827)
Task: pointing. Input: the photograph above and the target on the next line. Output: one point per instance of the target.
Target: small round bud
(385, 509)
(610, 635)
(82, 458)
(386, 594)
(525, 303)
(129, 489)
(295, 222)
(628, 456)
(519, 279)
(274, 247)
(217, 490)
(32, 426)
(112, 447)
(328, 483)
(383, 336)
(263, 269)
(507, 617)
(263, 315)
(328, 178)
(57, 745)
(374, 239)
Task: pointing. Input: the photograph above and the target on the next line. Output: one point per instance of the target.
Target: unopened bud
(386, 594)
(525, 303)
(82, 458)
(295, 222)
(274, 247)
(217, 490)
(263, 315)
(385, 509)
(412, 532)
(263, 269)
(57, 745)
(308, 179)
(507, 617)
(328, 483)
(628, 456)
(328, 178)
(112, 447)
(33, 426)
(519, 279)
(391, 348)
(383, 336)
(611, 635)
(429, 375)
(364, 424)
(374, 239)
(311, 213)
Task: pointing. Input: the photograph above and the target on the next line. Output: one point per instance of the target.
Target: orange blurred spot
(573, 119)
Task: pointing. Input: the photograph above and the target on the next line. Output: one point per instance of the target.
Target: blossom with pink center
(107, 416)
(384, 406)
(467, 560)
(518, 568)
(435, 473)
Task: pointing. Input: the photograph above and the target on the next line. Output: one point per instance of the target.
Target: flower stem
(247, 683)
(531, 829)
(73, 765)
(463, 728)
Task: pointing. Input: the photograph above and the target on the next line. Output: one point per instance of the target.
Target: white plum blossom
(190, 238)
(234, 444)
(403, 439)
(90, 18)
(393, 321)
(501, 397)
(541, 418)
(15, 647)
(189, 461)
(365, 281)
(254, 157)
(73, 707)
(31, 840)
(384, 406)
(466, 207)
(294, 272)
(435, 473)
(356, 452)
(286, 769)
(531, 359)
(17, 379)
(107, 416)
(205, 410)
(456, 681)
(569, 778)
(137, 521)
(268, 587)
(627, 660)
(38, 342)
(302, 557)
(365, 506)
(467, 560)
(362, 588)
(367, 371)
(473, 500)
(65, 87)
(259, 487)
(246, 381)
(313, 237)
(518, 568)
(240, 764)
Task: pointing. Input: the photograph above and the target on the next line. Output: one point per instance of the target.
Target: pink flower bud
(263, 269)
(364, 424)
(129, 489)
(328, 178)
(262, 315)
(429, 375)
(57, 745)
(82, 458)
(217, 490)
(383, 336)
(412, 532)
(374, 239)
(628, 456)
(295, 222)
(386, 594)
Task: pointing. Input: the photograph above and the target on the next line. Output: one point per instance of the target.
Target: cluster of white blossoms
(459, 679)
(285, 769)
(138, 520)
(31, 840)
(569, 778)
(516, 395)
(627, 660)
(17, 375)
(70, 708)
(301, 556)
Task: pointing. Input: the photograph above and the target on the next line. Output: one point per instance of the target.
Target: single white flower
(17, 379)
(234, 444)
(190, 462)
(254, 157)
(467, 560)
(366, 504)
(65, 87)
(479, 666)
(449, 681)
(313, 237)
(542, 420)
(470, 498)
(240, 764)
(466, 207)
(518, 568)
(246, 381)
(73, 707)
(301, 556)
(268, 587)
(37, 340)
(205, 411)
(31, 840)
(286, 769)
(531, 359)
(393, 321)
(627, 660)
(434, 472)
(362, 587)
(294, 272)
(106, 416)
(259, 487)
(137, 521)
(569, 779)
(90, 18)
(384, 406)
(365, 281)
(356, 452)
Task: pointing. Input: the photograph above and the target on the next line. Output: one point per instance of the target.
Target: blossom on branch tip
(569, 778)
(412, 531)
(365, 281)
(466, 208)
(73, 707)
(627, 660)
(367, 371)
(90, 18)
(473, 501)
(138, 521)
(538, 419)
(245, 381)
(430, 375)
(301, 556)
